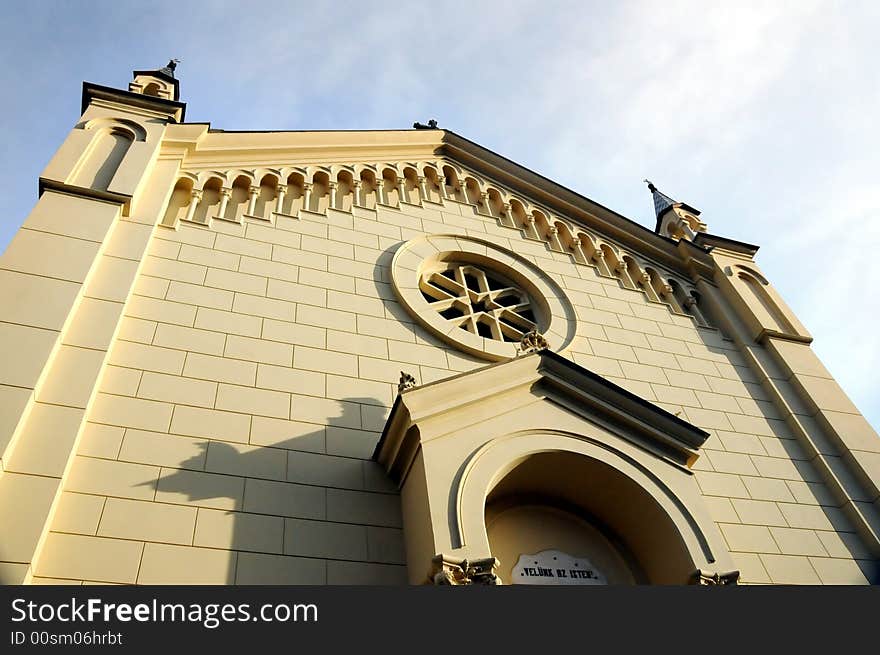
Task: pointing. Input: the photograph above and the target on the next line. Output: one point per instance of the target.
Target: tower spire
(676, 220)
(662, 202)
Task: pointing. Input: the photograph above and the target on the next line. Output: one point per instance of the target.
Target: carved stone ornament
(531, 342)
(447, 570)
(407, 381)
(712, 579)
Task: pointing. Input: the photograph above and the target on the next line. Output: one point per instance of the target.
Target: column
(578, 251)
(253, 192)
(193, 204)
(402, 195)
(553, 234)
(484, 199)
(623, 271)
(531, 228)
(334, 188)
(358, 186)
(380, 187)
(441, 183)
(307, 196)
(225, 193)
(423, 188)
(648, 286)
(601, 264)
(281, 190)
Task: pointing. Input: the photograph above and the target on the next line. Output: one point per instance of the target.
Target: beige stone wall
(255, 366)
(199, 403)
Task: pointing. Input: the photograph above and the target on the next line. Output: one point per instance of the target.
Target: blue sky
(762, 115)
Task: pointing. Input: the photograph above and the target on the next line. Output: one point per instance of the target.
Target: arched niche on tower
(108, 143)
(761, 307)
(489, 461)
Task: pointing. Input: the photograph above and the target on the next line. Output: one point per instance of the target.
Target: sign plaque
(553, 567)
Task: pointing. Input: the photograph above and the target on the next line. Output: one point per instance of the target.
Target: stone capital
(448, 570)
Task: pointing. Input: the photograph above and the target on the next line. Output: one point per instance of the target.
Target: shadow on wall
(285, 512)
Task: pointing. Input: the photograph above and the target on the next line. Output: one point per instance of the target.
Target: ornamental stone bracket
(713, 579)
(455, 571)
(532, 342)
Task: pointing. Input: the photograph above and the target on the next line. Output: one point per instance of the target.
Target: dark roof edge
(617, 389)
(547, 179)
(700, 434)
(91, 90)
(713, 240)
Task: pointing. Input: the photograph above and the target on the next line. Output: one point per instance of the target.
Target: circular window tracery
(479, 301)
(480, 297)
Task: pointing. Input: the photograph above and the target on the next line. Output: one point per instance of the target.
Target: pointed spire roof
(662, 202)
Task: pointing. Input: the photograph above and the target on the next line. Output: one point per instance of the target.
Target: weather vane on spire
(172, 65)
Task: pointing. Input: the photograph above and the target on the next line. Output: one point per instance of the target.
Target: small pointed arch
(637, 276)
(473, 191)
(238, 197)
(434, 184)
(762, 304)
(230, 176)
(287, 171)
(390, 190)
(454, 190)
(369, 187)
(496, 202)
(425, 166)
(694, 305)
(412, 191)
(210, 201)
(519, 216)
(569, 243)
(654, 286)
(293, 200)
(100, 161)
(616, 265)
(753, 273)
(319, 201)
(180, 200)
(344, 189)
(263, 173)
(540, 225)
(266, 195)
(205, 176)
(360, 169)
(133, 129)
(675, 296)
(594, 254)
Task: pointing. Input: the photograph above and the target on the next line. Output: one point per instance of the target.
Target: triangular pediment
(437, 409)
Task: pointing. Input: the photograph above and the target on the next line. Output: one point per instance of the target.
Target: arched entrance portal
(537, 458)
(582, 507)
(540, 543)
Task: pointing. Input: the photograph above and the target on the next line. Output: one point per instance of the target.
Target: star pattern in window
(480, 302)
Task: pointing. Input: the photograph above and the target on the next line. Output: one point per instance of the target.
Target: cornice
(168, 109)
(215, 149)
(579, 208)
(556, 379)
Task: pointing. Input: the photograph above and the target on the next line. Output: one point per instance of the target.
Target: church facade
(396, 357)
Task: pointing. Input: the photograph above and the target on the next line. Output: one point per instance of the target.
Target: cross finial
(172, 65)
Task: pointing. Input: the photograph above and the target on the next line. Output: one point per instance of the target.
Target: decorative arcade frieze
(199, 198)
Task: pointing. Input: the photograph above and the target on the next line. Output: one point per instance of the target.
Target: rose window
(483, 303)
